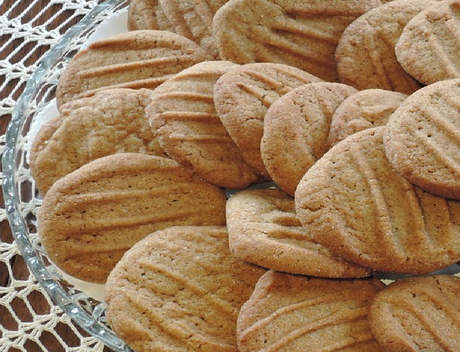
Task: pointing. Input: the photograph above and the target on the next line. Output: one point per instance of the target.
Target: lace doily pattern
(29, 321)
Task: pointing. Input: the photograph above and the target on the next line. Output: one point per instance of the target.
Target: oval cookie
(290, 312)
(296, 127)
(112, 121)
(90, 217)
(135, 59)
(180, 290)
(242, 97)
(263, 229)
(354, 203)
(418, 314)
(366, 51)
(184, 118)
(303, 34)
(422, 139)
(429, 46)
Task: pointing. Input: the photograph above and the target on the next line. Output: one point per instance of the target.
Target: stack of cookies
(240, 174)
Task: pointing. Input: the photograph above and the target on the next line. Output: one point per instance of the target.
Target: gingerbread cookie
(422, 142)
(263, 229)
(162, 297)
(90, 217)
(296, 127)
(289, 312)
(354, 203)
(242, 97)
(136, 59)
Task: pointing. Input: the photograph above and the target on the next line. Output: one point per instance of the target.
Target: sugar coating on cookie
(296, 127)
(422, 139)
(289, 312)
(180, 290)
(355, 204)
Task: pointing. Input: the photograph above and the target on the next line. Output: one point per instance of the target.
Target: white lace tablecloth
(28, 319)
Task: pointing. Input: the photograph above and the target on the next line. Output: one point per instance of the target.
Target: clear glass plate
(20, 195)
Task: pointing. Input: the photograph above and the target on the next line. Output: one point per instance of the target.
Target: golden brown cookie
(296, 127)
(366, 51)
(184, 119)
(90, 217)
(242, 97)
(263, 229)
(422, 139)
(418, 314)
(296, 313)
(180, 290)
(112, 121)
(135, 59)
(354, 203)
(366, 109)
(303, 34)
(429, 46)
(147, 14)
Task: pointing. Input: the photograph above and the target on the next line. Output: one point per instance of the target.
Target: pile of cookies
(238, 173)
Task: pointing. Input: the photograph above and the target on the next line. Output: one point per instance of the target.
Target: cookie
(289, 312)
(428, 48)
(422, 141)
(263, 229)
(366, 109)
(135, 59)
(366, 55)
(112, 121)
(242, 97)
(354, 203)
(303, 34)
(184, 119)
(417, 314)
(296, 127)
(90, 217)
(161, 297)
(147, 14)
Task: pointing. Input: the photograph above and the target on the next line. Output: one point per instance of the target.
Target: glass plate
(20, 195)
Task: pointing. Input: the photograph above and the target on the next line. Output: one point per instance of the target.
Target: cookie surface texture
(365, 54)
(303, 34)
(263, 229)
(118, 116)
(296, 127)
(418, 314)
(184, 118)
(135, 59)
(242, 97)
(289, 312)
(91, 216)
(355, 204)
(164, 298)
(367, 108)
(421, 139)
(429, 47)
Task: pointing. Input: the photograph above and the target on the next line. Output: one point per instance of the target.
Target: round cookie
(242, 97)
(90, 217)
(145, 14)
(417, 314)
(354, 203)
(161, 297)
(184, 119)
(296, 127)
(429, 47)
(422, 141)
(303, 34)
(365, 54)
(135, 59)
(263, 229)
(366, 109)
(112, 121)
(296, 313)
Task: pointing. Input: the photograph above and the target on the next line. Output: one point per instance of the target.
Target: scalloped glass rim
(38, 91)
